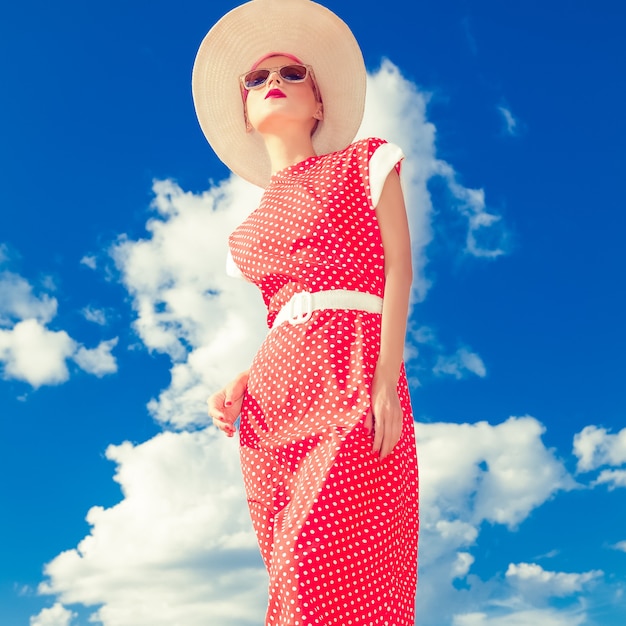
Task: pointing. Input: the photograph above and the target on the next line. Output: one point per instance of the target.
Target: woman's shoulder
(367, 145)
(360, 149)
(360, 154)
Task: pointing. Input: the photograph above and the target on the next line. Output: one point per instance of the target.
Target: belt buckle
(300, 308)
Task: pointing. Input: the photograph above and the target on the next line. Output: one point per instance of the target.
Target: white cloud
(498, 473)
(462, 564)
(423, 335)
(98, 361)
(612, 478)
(89, 261)
(533, 579)
(460, 364)
(56, 615)
(471, 474)
(32, 353)
(595, 446)
(18, 302)
(187, 307)
(511, 125)
(486, 234)
(525, 596)
(97, 316)
(176, 548)
(620, 545)
(527, 617)
(422, 343)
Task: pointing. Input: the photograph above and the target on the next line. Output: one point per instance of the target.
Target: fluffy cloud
(176, 548)
(471, 474)
(18, 301)
(595, 446)
(56, 615)
(482, 472)
(186, 306)
(533, 579)
(178, 545)
(32, 352)
(98, 361)
(612, 478)
(531, 587)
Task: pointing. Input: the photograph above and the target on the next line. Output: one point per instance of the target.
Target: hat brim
(302, 28)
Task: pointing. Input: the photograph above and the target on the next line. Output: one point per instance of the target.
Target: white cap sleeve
(384, 159)
(231, 267)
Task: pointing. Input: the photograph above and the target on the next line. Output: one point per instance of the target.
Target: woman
(326, 428)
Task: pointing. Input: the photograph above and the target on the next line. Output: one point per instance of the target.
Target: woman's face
(279, 104)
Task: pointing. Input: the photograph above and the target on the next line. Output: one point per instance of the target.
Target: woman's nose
(274, 76)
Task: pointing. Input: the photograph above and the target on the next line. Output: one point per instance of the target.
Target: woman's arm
(394, 229)
(224, 405)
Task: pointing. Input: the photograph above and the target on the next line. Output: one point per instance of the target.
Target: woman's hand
(385, 416)
(224, 405)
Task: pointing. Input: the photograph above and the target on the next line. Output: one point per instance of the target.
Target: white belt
(301, 305)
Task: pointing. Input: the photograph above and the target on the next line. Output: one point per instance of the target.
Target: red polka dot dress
(336, 525)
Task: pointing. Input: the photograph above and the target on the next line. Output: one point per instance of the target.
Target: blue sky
(118, 504)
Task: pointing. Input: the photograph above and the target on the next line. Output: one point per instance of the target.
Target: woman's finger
(392, 435)
(387, 432)
(216, 411)
(215, 405)
(225, 426)
(379, 434)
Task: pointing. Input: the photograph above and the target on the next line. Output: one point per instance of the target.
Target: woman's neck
(285, 151)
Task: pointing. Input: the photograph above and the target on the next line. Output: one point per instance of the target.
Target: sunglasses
(293, 73)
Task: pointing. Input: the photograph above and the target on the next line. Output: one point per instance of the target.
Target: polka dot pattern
(337, 526)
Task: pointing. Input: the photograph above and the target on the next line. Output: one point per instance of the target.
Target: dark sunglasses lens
(293, 73)
(255, 78)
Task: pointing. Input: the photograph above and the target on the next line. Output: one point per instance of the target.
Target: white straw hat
(301, 28)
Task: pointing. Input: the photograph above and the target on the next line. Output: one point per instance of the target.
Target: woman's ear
(244, 98)
(249, 127)
(319, 113)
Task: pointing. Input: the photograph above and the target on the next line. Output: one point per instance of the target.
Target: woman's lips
(275, 93)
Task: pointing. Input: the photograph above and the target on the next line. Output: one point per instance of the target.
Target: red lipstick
(275, 93)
